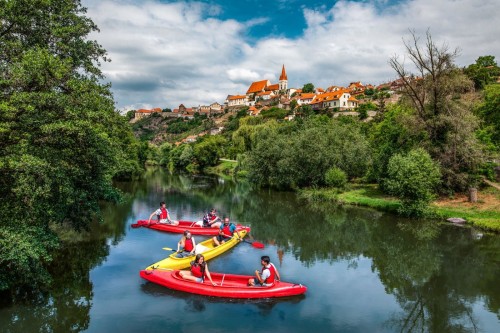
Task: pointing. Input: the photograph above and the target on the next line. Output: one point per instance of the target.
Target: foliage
(164, 153)
(308, 88)
(180, 125)
(489, 112)
(290, 156)
(61, 140)
(130, 115)
(336, 177)
(390, 136)
(440, 112)
(208, 151)
(485, 71)
(274, 112)
(414, 178)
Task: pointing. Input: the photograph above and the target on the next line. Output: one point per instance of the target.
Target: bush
(335, 177)
(413, 178)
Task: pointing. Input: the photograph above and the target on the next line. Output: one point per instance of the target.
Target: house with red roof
(236, 100)
(339, 99)
(141, 113)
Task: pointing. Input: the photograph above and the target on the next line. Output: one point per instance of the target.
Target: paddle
(169, 249)
(255, 244)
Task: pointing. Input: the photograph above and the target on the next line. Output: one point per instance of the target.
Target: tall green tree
(434, 93)
(61, 140)
(308, 88)
(485, 71)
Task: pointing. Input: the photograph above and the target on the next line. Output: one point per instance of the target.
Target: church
(264, 90)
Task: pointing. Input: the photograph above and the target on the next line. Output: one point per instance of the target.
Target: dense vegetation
(441, 137)
(61, 141)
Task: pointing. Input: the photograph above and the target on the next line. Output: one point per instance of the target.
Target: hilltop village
(263, 95)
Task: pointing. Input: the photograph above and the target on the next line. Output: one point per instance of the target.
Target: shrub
(413, 177)
(335, 177)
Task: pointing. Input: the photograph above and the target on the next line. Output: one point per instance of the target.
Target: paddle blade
(168, 249)
(136, 225)
(258, 245)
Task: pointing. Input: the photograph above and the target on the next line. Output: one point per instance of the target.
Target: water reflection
(440, 278)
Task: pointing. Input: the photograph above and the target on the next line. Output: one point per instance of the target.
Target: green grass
(225, 169)
(371, 196)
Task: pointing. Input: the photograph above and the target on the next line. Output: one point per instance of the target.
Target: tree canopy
(61, 140)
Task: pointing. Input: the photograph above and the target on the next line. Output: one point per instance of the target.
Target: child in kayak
(186, 246)
(199, 270)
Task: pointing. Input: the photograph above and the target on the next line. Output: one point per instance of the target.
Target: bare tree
(436, 94)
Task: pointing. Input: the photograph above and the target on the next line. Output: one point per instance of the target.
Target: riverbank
(484, 214)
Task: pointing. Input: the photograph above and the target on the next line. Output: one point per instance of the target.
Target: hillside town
(262, 95)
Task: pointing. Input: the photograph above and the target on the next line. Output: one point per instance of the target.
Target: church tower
(283, 83)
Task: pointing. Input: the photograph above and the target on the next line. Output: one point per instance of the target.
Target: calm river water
(366, 271)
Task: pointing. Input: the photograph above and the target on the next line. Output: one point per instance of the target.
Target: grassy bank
(224, 169)
(484, 214)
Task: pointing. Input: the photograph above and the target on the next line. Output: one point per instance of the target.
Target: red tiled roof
(257, 86)
(264, 93)
(307, 95)
(149, 111)
(273, 87)
(330, 96)
(235, 97)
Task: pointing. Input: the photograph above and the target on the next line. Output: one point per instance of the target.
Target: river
(366, 271)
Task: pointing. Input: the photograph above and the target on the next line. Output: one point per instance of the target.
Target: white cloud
(164, 54)
(242, 75)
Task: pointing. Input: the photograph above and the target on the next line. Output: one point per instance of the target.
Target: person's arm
(259, 277)
(193, 251)
(151, 216)
(180, 244)
(277, 273)
(207, 273)
(168, 216)
(237, 233)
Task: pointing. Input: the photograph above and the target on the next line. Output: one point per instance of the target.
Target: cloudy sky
(165, 52)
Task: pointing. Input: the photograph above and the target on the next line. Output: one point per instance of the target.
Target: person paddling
(162, 215)
(199, 270)
(226, 232)
(267, 276)
(186, 246)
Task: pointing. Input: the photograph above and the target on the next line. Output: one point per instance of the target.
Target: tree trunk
(472, 194)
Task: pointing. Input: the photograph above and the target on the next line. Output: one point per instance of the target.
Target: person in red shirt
(267, 276)
(162, 215)
(186, 246)
(199, 270)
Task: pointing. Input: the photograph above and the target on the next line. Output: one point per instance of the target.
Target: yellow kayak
(207, 248)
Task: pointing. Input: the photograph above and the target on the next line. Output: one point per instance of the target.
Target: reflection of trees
(432, 270)
(65, 308)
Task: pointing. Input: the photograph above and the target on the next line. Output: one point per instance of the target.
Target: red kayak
(228, 285)
(184, 225)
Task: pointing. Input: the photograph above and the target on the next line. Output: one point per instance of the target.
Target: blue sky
(165, 53)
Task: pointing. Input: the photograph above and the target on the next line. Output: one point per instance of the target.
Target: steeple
(283, 83)
(283, 74)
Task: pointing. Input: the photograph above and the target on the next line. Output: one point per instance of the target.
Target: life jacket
(188, 244)
(272, 274)
(198, 270)
(163, 214)
(226, 230)
(206, 220)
